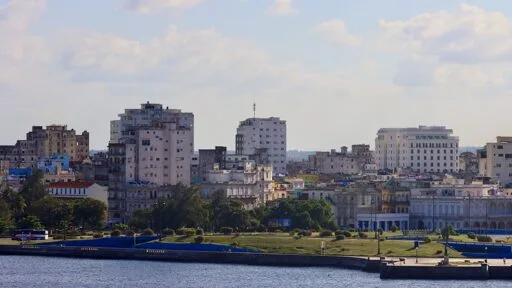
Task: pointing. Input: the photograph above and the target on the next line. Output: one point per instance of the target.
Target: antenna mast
(254, 108)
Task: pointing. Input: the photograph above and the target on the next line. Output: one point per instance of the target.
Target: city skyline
(336, 72)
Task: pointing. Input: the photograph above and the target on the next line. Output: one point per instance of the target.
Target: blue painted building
(50, 164)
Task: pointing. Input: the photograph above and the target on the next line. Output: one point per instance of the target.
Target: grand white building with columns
(427, 149)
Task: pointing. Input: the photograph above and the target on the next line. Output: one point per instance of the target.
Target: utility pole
(446, 257)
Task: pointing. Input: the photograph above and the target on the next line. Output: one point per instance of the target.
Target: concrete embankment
(193, 256)
(476, 272)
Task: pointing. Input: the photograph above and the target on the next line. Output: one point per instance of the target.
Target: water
(28, 271)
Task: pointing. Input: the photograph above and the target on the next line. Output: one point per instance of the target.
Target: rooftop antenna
(254, 107)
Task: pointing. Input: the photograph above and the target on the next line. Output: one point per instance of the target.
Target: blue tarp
(486, 231)
(477, 250)
(110, 242)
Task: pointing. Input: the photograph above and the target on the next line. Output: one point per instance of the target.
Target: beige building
(341, 162)
(40, 142)
(495, 160)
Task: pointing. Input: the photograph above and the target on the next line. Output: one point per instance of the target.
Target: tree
(141, 219)
(16, 203)
(33, 189)
(184, 208)
(53, 213)
(29, 222)
(227, 212)
(90, 213)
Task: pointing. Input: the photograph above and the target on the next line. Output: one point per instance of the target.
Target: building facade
(265, 137)
(341, 162)
(44, 143)
(78, 190)
(209, 157)
(495, 160)
(150, 145)
(462, 206)
(426, 149)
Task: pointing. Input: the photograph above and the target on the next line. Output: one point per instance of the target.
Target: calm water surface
(28, 271)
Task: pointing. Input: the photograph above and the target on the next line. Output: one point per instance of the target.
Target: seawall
(475, 272)
(194, 256)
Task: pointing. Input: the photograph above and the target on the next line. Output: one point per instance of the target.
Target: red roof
(75, 184)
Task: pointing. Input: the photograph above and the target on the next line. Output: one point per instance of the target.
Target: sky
(335, 70)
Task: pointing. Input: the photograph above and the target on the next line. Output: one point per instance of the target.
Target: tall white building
(430, 149)
(495, 160)
(263, 136)
(158, 144)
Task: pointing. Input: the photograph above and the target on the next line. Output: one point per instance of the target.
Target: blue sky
(337, 71)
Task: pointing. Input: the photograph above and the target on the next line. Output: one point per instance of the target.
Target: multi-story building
(462, 206)
(252, 185)
(265, 137)
(468, 163)
(361, 198)
(150, 145)
(78, 190)
(40, 143)
(341, 162)
(495, 160)
(426, 149)
(209, 157)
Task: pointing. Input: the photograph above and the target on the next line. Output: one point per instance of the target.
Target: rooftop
(75, 184)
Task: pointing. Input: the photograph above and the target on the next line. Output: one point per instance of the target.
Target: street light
(416, 254)
(485, 254)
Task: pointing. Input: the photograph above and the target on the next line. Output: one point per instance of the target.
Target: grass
(272, 243)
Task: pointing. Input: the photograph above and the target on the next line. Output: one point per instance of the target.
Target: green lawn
(312, 245)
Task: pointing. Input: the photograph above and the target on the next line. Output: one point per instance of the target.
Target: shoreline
(386, 268)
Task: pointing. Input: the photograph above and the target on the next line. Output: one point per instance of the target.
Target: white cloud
(466, 35)
(281, 8)
(147, 6)
(336, 31)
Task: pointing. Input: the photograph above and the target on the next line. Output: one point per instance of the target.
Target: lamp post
(446, 232)
(416, 254)
(485, 254)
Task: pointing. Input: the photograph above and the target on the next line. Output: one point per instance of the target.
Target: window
(146, 142)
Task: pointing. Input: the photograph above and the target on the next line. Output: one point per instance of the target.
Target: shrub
(115, 233)
(199, 239)
(394, 228)
(347, 234)
(97, 235)
(148, 232)
(362, 235)
(57, 236)
(471, 235)
(261, 228)
(120, 227)
(380, 231)
(340, 237)
(235, 244)
(186, 232)
(427, 239)
(352, 230)
(106, 233)
(483, 238)
(439, 252)
(129, 233)
(297, 237)
(326, 233)
(226, 230)
(168, 232)
(199, 232)
(338, 232)
(305, 233)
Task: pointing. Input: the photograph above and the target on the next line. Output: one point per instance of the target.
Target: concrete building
(43, 143)
(78, 190)
(426, 149)
(384, 221)
(463, 206)
(252, 185)
(495, 160)
(361, 198)
(195, 177)
(341, 162)
(208, 158)
(149, 145)
(266, 138)
(468, 163)
(52, 163)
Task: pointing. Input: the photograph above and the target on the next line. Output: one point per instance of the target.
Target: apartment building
(265, 137)
(426, 149)
(495, 160)
(41, 142)
(150, 146)
(341, 162)
(251, 185)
